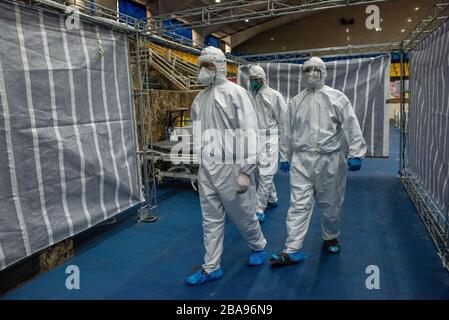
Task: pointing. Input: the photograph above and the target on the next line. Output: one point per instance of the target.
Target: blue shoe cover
(272, 204)
(334, 249)
(285, 259)
(260, 216)
(257, 258)
(297, 256)
(332, 246)
(201, 277)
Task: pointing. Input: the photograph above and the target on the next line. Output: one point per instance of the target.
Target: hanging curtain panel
(365, 81)
(67, 134)
(428, 150)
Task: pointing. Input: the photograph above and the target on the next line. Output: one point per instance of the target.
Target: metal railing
(435, 221)
(176, 71)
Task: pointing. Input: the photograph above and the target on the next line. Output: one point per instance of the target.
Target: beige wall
(323, 29)
(110, 4)
(196, 37)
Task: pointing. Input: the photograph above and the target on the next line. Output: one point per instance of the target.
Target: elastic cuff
(259, 248)
(210, 269)
(331, 236)
(290, 250)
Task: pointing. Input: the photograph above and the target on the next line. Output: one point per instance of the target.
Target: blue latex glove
(354, 164)
(285, 167)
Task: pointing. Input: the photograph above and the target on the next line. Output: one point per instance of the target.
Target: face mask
(255, 86)
(313, 78)
(206, 76)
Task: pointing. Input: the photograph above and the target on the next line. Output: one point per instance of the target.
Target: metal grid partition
(424, 158)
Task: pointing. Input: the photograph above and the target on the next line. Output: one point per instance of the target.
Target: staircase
(178, 67)
(181, 73)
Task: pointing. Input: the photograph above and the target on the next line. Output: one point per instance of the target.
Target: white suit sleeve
(196, 125)
(247, 123)
(351, 128)
(279, 110)
(286, 133)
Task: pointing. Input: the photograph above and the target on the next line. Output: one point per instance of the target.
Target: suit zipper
(319, 120)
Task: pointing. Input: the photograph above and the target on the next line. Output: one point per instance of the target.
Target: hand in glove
(354, 164)
(285, 167)
(242, 183)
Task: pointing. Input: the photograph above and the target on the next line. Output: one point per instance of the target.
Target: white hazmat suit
(225, 189)
(320, 125)
(271, 109)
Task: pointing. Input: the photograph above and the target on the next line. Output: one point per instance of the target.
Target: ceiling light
(217, 1)
(347, 30)
(417, 8)
(272, 39)
(409, 20)
(378, 29)
(246, 20)
(402, 30)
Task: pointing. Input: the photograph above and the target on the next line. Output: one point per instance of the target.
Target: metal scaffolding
(234, 11)
(435, 220)
(139, 63)
(438, 14)
(330, 52)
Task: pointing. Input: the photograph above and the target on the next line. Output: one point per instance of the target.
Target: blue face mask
(255, 86)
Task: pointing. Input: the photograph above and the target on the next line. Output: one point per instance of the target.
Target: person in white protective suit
(270, 108)
(320, 125)
(225, 187)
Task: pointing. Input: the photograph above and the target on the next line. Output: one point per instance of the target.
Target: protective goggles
(312, 69)
(210, 59)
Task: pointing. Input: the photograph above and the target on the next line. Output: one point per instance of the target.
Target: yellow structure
(187, 57)
(395, 70)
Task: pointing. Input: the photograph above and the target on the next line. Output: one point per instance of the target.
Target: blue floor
(150, 261)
